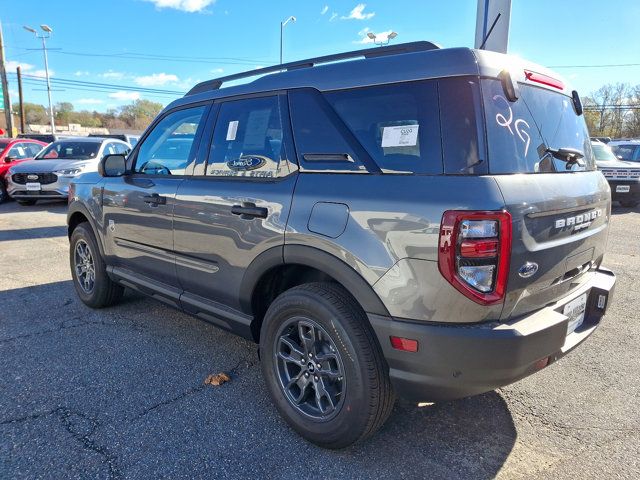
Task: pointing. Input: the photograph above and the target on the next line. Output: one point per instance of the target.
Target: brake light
(474, 251)
(543, 79)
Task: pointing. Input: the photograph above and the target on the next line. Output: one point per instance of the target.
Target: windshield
(626, 153)
(69, 150)
(603, 153)
(519, 133)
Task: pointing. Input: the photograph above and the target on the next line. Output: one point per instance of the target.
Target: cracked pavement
(119, 393)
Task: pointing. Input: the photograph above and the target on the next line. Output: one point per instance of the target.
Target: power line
(102, 86)
(597, 65)
(156, 57)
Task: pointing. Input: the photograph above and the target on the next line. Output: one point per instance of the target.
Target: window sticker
(256, 133)
(21, 151)
(232, 130)
(400, 136)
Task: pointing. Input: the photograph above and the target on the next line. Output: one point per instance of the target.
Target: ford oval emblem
(527, 270)
(247, 162)
(32, 176)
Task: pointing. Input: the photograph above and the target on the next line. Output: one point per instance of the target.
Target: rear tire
(26, 202)
(629, 203)
(323, 365)
(88, 270)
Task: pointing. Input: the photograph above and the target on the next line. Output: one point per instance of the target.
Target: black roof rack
(310, 62)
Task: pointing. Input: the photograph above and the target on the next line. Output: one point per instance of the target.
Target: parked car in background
(125, 137)
(623, 176)
(44, 137)
(402, 220)
(47, 176)
(627, 150)
(12, 152)
(602, 139)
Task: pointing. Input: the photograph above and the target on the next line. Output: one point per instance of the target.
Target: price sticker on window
(400, 136)
(232, 131)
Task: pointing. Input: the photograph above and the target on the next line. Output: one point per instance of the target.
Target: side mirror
(112, 165)
(8, 159)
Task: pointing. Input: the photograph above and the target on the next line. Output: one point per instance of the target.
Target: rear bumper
(455, 361)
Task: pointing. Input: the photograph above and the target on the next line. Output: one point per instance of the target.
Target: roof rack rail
(216, 83)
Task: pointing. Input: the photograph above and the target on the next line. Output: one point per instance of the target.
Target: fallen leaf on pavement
(217, 379)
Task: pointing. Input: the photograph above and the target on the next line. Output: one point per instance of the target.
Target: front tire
(323, 366)
(88, 270)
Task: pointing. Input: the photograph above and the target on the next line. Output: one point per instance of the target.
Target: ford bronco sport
(401, 220)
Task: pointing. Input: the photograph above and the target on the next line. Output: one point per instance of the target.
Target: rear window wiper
(572, 156)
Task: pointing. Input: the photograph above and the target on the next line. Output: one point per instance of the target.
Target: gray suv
(401, 220)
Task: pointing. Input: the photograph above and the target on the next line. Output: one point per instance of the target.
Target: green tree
(34, 113)
(140, 113)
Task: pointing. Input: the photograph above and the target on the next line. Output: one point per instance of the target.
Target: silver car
(48, 175)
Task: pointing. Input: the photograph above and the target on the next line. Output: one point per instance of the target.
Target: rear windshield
(70, 150)
(520, 132)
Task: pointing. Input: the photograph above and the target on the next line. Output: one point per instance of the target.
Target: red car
(13, 151)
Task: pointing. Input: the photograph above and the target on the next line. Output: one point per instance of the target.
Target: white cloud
(334, 15)
(42, 73)
(123, 95)
(81, 73)
(26, 69)
(217, 70)
(358, 13)
(89, 101)
(112, 75)
(324, 10)
(156, 79)
(11, 66)
(380, 36)
(189, 6)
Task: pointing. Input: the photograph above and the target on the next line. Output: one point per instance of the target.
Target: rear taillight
(474, 252)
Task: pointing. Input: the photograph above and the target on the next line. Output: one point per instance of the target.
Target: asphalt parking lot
(119, 393)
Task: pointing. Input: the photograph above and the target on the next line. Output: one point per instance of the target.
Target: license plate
(33, 187)
(623, 189)
(575, 310)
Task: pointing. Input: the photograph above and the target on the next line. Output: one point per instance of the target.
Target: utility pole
(5, 89)
(48, 30)
(20, 99)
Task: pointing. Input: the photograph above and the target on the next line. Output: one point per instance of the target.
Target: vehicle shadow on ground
(136, 370)
(54, 206)
(617, 209)
(31, 233)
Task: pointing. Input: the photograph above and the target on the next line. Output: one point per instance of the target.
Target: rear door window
(398, 124)
(247, 139)
(520, 132)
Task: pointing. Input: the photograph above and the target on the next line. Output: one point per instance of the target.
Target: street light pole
(373, 36)
(44, 37)
(291, 19)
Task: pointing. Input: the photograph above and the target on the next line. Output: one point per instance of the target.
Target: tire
(629, 203)
(89, 274)
(4, 196)
(353, 383)
(26, 202)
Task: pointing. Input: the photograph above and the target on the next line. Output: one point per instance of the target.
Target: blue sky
(205, 38)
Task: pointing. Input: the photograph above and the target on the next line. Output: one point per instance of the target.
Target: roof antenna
(490, 30)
